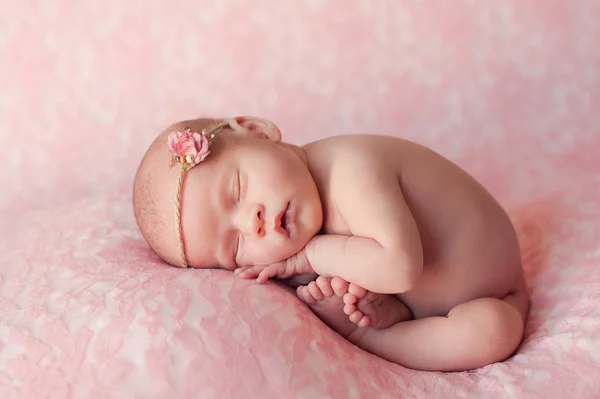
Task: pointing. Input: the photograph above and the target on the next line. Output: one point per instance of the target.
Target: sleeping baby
(402, 252)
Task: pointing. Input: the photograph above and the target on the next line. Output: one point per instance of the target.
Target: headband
(188, 149)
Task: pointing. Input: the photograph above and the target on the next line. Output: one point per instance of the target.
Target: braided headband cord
(182, 257)
(182, 145)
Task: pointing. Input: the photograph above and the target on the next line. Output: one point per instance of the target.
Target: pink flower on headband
(191, 146)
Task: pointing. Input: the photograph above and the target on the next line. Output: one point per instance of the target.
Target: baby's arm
(384, 253)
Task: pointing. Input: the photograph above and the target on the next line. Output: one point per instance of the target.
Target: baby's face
(253, 203)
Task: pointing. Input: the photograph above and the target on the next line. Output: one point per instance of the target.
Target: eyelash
(238, 187)
(237, 196)
(236, 247)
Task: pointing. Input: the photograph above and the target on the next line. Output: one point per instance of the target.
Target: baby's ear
(247, 125)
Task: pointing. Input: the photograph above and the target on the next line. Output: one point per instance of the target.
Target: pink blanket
(509, 90)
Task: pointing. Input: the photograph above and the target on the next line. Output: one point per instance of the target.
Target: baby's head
(250, 201)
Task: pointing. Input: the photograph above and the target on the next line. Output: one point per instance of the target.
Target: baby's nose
(255, 222)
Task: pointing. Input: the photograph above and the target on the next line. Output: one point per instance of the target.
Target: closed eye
(239, 186)
(236, 186)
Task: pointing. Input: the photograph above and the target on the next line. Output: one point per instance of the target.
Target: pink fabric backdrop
(508, 89)
(86, 85)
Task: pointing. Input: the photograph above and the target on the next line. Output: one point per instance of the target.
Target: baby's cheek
(265, 253)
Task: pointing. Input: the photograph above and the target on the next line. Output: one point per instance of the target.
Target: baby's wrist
(300, 263)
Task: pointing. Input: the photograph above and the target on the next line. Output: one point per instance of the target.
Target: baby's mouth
(284, 220)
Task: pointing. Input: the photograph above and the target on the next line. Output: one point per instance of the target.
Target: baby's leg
(474, 334)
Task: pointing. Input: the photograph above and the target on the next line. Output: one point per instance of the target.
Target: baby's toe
(364, 322)
(350, 299)
(315, 291)
(339, 285)
(305, 296)
(356, 317)
(325, 286)
(357, 290)
(349, 309)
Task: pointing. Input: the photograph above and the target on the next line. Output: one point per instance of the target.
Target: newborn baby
(416, 262)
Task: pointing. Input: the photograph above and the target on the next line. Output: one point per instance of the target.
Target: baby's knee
(494, 328)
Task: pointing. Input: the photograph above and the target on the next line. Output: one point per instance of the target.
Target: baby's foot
(368, 309)
(325, 298)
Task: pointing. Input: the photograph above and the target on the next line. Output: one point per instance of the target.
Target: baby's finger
(249, 272)
(263, 276)
(266, 274)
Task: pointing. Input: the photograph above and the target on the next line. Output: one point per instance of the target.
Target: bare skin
(369, 309)
(435, 238)
(390, 217)
(345, 306)
(326, 298)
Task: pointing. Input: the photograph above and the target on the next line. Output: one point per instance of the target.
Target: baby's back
(469, 244)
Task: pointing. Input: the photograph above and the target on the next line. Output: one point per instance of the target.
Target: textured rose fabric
(510, 90)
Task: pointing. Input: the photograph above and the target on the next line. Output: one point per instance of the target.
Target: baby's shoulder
(365, 141)
(359, 151)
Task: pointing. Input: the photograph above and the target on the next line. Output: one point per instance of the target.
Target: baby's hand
(294, 265)
(263, 273)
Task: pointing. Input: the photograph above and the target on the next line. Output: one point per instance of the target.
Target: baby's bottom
(472, 335)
